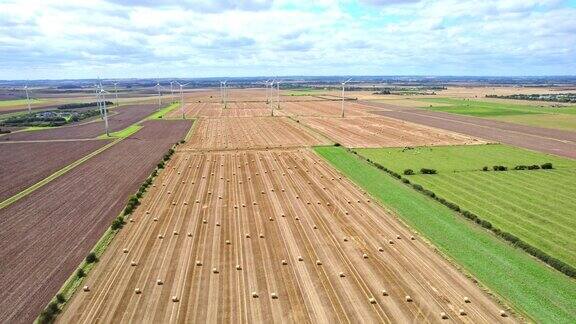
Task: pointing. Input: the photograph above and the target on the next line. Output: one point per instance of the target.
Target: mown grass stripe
(535, 289)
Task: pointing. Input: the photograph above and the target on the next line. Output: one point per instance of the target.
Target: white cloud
(51, 39)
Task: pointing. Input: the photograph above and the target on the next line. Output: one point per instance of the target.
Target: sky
(61, 39)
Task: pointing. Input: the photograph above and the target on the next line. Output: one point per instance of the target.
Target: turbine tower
(159, 94)
(343, 85)
(116, 92)
(182, 97)
(103, 98)
(28, 99)
(225, 94)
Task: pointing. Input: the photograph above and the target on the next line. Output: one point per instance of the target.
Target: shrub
(405, 180)
(520, 167)
(60, 298)
(117, 223)
(161, 165)
(533, 167)
(408, 172)
(91, 257)
(417, 187)
(337, 144)
(547, 166)
(427, 171)
(499, 168)
(485, 168)
(80, 273)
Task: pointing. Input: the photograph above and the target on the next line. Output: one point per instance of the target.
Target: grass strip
(53, 176)
(162, 112)
(533, 288)
(123, 133)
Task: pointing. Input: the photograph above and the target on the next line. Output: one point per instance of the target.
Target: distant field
(538, 206)
(543, 293)
(556, 121)
(20, 102)
(305, 92)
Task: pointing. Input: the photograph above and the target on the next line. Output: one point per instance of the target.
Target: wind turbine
(158, 87)
(277, 95)
(225, 96)
(28, 99)
(172, 90)
(98, 103)
(182, 97)
(343, 85)
(116, 92)
(266, 85)
(103, 98)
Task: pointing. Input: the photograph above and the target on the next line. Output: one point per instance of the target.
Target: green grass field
(490, 109)
(123, 133)
(538, 206)
(20, 102)
(533, 288)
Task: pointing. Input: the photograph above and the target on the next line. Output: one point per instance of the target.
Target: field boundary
(54, 175)
(553, 262)
(70, 286)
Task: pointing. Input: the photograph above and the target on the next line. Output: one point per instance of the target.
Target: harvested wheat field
(270, 236)
(216, 109)
(378, 132)
(258, 132)
(323, 108)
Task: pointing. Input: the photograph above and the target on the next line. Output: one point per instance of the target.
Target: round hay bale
(138, 291)
(238, 267)
(160, 236)
(283, 215)
(345, 239)
(159, 282)
(372, 300)
(125, 250)
(261, 235)
(503, 313)
(391, 242)
(443, 315)
(228, 242)
(189, 234)
(318, 262)
(86, 288)
(133, 263)
(274, 296)
(175, 233)
(342, 275)
(175, 299)
(254, 294)
(408, 298)
(217, 224)
(315, 227)
(462, 312)
(204, 221)
(384, 292)
(398, 237)
(247, 235)
(131, 220)
(467, 300)
(198, 263)
(365, 256)
(381, 249)
(284, 262)
(300, 258)
(412, 238)
(215, 270)
(271, 219)
(155, 219)
(147, 212)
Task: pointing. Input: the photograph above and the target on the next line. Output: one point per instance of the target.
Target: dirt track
(382, 131)
(562, 143)
(258, 132)
(45, 235)
(124, 117)
(24, 164)
(290, 204)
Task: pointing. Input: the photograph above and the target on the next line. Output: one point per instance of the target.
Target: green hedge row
(543, 256)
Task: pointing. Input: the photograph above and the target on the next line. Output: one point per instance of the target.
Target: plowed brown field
(213, 109)
(257, 132)
(382, 131)
(209, 240)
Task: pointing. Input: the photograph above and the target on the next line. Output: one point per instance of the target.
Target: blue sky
(154, 38)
